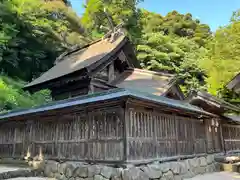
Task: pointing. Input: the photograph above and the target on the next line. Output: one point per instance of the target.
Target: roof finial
(110, 22)
(113, 31)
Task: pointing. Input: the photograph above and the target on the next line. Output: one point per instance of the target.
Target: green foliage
(222, 61)
(32, 35)
(175, 24)
(178, 55)
(12, 96)
(34, 32)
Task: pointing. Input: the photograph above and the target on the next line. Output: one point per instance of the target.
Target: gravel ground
(218, 176)
(31, 178)
(8, 168)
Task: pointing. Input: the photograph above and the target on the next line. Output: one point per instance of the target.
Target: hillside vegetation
(34, 33)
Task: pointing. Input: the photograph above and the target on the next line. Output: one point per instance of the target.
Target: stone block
(176, 167)
(94, 170)
(48, 171)
(163, 178)
(152, 173)
(217, 167)
(134, 174)
(51, 166)
(107, 172)
(81, 172)
(199, 170)
(116, 178)
(194, 162)
(210, 159)
(99, 177)
(117, 172)
(187, 164)
(203, 161)
(168, 175)
(62, 168)
(183, 167)
(165, 167)
(78, 178)
(69, 170)
(209, 169)
(89, 178)
(60, 176)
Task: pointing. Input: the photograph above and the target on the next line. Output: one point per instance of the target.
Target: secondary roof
(145, 81)
(109, 95)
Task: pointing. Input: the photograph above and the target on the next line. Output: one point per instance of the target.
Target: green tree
(12, 96)
(176, 24)
(159, 52)
(33, 33)
(120, 11)
(222, 61)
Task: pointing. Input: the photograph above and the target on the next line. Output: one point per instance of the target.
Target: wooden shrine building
(102, 65)
(106, 109)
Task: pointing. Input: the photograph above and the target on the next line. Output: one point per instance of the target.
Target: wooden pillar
(208, 133)
(176, 135)
(111, 72)
(14, 141)
(221, 138)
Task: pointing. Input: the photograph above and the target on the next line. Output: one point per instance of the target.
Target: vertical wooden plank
(193, 124)
(154, 133)
(56, 149)
(14, 141)
(176, 133)
(127, 120)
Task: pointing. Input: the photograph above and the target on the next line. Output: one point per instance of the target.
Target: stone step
(234, 167)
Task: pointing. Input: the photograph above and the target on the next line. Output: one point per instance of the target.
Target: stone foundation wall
(175, 170)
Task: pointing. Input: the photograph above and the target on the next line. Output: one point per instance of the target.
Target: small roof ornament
(114, 31)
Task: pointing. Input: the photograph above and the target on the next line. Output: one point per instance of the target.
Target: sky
(215, 13)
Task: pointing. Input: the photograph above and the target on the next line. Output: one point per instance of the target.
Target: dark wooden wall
(115, 133)
(94, 135)
(152, 134)
(231, 135)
